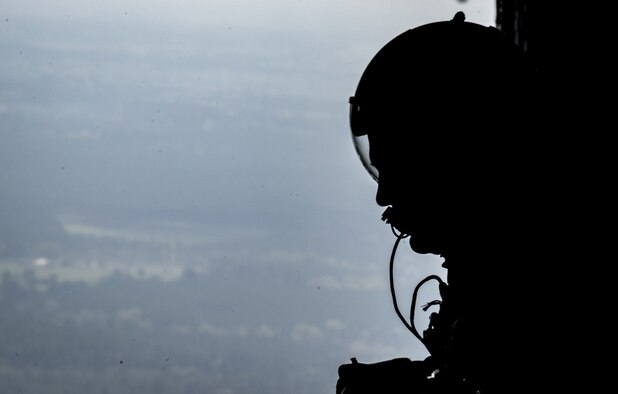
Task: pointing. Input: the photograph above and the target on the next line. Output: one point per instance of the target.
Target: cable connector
(430, 304)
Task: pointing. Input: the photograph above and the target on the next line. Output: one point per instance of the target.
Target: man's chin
(425, 246)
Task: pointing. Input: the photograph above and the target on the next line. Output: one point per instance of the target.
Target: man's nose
(384, 194)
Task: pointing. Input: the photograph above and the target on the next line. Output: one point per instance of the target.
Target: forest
(127, 335)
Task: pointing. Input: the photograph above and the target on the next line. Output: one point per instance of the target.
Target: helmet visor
(361, 144)
(361, 140)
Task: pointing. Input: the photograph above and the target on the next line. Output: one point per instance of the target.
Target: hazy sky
(222, 121)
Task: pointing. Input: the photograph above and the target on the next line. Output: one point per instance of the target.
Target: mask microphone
(386, 215)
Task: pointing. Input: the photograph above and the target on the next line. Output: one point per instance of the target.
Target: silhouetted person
(450, 112)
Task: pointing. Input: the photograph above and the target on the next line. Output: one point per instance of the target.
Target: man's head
(441, 108)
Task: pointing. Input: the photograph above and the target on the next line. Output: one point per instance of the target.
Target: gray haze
(181, 204)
